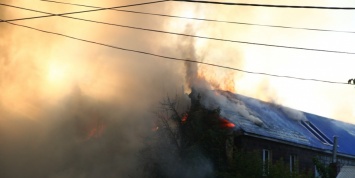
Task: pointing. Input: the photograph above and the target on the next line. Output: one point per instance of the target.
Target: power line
(195, 36)
(76, 12)
(268, 5)
(208, 20)
(115, 8)
(173, 58)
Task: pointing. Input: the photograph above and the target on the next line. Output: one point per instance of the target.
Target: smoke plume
(200, 85)
(70, 109)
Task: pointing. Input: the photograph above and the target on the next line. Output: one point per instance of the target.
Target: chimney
(335, 147)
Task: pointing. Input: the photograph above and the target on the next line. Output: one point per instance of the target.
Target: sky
(47, 80)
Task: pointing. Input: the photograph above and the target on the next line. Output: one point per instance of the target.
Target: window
(293, 163)
(266, 161)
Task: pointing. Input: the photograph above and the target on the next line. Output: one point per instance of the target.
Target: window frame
(293, 163)
(266, 161)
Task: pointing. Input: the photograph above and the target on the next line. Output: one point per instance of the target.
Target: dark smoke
(58, 145)
(41, 137)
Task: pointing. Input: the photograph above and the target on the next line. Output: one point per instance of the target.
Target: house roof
(289, 125)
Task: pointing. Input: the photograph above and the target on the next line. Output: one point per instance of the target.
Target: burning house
(277, 133)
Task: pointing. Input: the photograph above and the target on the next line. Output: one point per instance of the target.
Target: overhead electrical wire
(151, 54)
(268, 5)
(181, 34)
(76, 12)
(115, 8)
(208, 20)
(174, 58)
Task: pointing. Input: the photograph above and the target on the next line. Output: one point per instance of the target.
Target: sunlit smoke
(72, 109)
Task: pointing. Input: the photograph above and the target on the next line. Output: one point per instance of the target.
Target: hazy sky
(60, 63)
(61, 57)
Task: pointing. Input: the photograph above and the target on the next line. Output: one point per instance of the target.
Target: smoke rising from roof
(201, 86)
(294, 114)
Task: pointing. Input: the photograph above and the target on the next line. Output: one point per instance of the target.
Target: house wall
(342, 161)
(283, 151)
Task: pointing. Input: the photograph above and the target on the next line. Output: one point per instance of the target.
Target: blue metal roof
(280, 123)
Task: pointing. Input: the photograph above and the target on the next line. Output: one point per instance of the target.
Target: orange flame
(184, 118)
(96, 131)
(225, 123)
(219, 81)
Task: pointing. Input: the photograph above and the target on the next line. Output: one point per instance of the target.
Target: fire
(219, 80)
(91, 126)
(95, 132)
(184, 118)
(225, 123)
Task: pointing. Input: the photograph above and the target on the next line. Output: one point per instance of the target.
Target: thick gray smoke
(87, 113)
(209, 98)
(74, 110)
(60, 143)
(294, 114)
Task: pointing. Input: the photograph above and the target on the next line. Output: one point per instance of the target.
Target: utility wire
(115, 8)
(195, 36)
(208, 20)
(76, 12)
(173, 58)
(268, 5)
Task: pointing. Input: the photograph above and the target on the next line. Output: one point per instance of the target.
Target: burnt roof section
(293, 126)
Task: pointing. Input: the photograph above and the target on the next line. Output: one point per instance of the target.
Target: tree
(191, 142)
(325, 171)
(186, 142)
